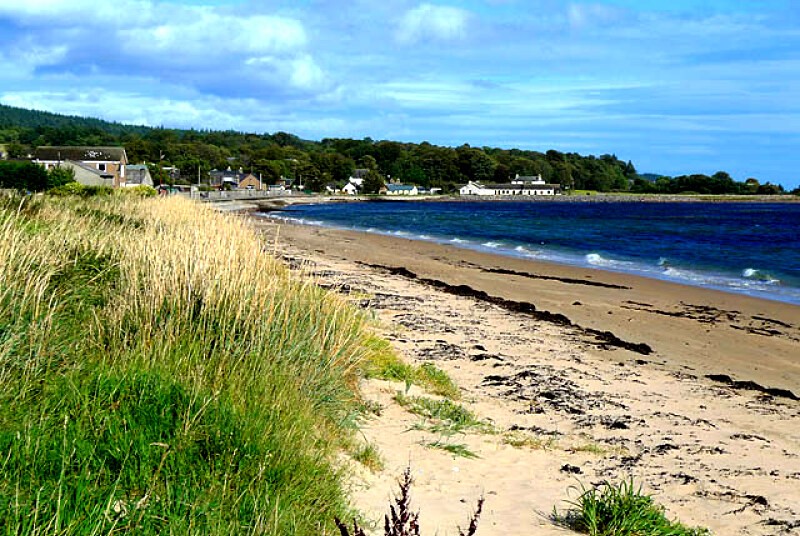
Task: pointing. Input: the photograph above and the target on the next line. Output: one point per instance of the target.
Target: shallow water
(748, 248)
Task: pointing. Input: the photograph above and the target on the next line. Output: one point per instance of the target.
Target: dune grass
(159, 374)
(621, 510)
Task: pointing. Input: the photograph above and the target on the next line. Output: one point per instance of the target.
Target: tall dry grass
(161, 372)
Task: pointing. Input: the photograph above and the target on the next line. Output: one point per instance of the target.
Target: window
(101, 167)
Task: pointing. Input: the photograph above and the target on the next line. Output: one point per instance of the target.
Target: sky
(678, 86)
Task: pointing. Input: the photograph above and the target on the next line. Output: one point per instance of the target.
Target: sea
(745, 248)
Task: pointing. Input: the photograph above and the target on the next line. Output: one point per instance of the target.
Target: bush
(23, 176)
(141, 190)
(70, 188)
(59, 176)
(621, 510)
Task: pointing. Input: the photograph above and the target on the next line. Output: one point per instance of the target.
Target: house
(138, 175)
(350, 189)
(358, 176)
(87, 175)
(227, 178)
(107, 160)
(532, 179)
(332, 188)
(516, 187)
(401, 189)
(250, 182)
(471, 188)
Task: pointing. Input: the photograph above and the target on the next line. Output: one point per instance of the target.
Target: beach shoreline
(604, 376)
(693, 326)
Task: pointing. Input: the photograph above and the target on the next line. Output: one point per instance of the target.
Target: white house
(350, 189)
(357, 179)
(471, 188)
(401, 189)
(521, 186)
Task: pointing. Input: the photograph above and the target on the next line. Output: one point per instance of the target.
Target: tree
(23, 176)
(59, 176)
(373, 182)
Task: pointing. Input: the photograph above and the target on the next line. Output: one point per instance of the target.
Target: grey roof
(89, 169)
(81, 154)
(393, 187)
(360, 173)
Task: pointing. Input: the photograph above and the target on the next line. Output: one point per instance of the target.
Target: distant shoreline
(278, 203)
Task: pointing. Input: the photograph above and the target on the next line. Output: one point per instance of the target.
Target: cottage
(87, 175)
(109, 161)
(401, 189)
(516, 187)
(350, 189)
(251, 182)
(357, 179)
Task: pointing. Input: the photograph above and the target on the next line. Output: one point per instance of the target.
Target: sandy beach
(584, 375)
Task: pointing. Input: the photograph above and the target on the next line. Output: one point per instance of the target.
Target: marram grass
(159, 373)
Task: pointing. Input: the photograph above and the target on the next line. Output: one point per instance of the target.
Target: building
(350, 189)
(138, 175)
(87, 175)
(250, 182)
(357, 179)
(401, 189)
(517, 187)
(109, 161)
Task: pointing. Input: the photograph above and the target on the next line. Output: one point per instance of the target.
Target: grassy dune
(159, 374)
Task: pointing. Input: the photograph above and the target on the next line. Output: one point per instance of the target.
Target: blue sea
(748, 248)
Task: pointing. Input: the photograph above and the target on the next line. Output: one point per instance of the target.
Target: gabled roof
(359, 174)
(81, 154)
(88, 169)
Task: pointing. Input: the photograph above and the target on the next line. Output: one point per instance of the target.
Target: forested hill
(334, 159)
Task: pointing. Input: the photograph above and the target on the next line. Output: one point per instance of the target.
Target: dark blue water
(750, 248)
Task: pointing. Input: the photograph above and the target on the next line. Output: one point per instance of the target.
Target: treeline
(332, 160)
(718, 183)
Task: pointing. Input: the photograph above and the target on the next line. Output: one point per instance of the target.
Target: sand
(584, 376)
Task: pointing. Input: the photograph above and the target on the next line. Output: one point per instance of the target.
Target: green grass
(456, 449)
(369, 456)
(621, 510)
(450, 415)
(520, 439)
(386, 365)
(157, 376)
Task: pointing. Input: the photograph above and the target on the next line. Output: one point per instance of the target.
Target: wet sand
(692, 392)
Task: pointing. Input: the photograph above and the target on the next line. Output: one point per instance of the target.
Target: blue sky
(676, 86)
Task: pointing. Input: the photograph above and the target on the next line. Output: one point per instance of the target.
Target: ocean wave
(758, 275)
(492, 245)
(595, 259)
(459, 241)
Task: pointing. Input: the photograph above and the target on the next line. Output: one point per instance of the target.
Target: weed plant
(160, 374)
(402, 521)
(621, 510)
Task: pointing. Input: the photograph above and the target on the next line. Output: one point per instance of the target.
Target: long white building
(519, 186)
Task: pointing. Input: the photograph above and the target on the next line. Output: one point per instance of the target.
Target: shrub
(23, 176)
(141, 190)
(621, 510)
(70, 188)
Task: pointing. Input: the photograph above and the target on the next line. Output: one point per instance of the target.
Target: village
(109, 166)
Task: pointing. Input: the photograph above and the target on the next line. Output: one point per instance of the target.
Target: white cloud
(207, 33)
(428, 22)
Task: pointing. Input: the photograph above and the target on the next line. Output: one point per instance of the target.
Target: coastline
(690, 326)
(527, 342)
